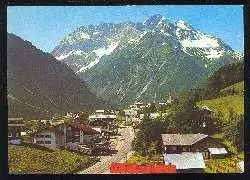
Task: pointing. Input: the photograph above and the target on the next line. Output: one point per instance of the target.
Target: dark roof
(85, 128)
(98, 122)
(79, 113)
(15, 119)
(50, 128)
(182, 139)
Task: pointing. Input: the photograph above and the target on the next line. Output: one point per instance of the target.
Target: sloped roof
(15, 119)
(85, 128)
(217, 150)
(182, 139)
(102, 116)
(185, 160)
(50, 128)
(100, 111)
(130, 112)
(206, 108)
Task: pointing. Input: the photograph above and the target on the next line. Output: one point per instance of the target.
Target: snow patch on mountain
(202, 42)
(238, 55)
(214, 54)
(90, 65)
(99, 52)
(106, 51)
(161, 21)
(79, 52)
(84, 35)
(73, 52)
(63, 56)
(182, 25)
(165, 33)
(130, 41)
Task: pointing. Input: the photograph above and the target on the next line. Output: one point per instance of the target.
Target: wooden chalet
(178, 143)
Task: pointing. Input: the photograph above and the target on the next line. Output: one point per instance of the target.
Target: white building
(61, 134)
(141, 116)
(130, 115)
(49, 137)
(100, 111)
(217, 152)
(154, 115)
(104, 117)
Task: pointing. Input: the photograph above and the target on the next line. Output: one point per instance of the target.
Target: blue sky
(46, 26)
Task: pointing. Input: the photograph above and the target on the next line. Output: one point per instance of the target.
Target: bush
(221, 166)
(231, 148)
(137, 159)
(36, 146)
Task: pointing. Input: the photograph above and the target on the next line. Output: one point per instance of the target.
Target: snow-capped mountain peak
(85, 47)
(153, 21)
(183, 25)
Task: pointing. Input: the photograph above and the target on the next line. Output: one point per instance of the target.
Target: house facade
(81, 133)
(61, 134)
(104, 117)
(130, 115)
(75, 115)
(15, 127)
(105, 127)
(49, 137)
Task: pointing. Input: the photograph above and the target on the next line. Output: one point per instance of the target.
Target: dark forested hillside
(224, 77)
(39, 85)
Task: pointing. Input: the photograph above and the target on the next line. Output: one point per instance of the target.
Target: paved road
(123, 147)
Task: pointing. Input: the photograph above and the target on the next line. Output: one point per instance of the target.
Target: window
(9, 134)
(39, 142)
(77, 133)
(69, 133)
(41, 136)
(48, 136)
(174, 148)
(47, 142)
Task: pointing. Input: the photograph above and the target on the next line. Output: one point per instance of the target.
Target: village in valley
(106, 137)
(125, 89)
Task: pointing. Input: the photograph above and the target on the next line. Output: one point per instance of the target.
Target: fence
(122, 168)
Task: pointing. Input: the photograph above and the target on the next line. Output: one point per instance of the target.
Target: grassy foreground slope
(220, 106)
(26, 160)
(232, 98)
(237, 88)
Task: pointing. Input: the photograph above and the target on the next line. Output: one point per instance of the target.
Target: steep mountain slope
(39, 85)
(143, 61)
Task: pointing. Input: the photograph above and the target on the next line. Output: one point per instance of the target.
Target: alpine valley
(130, 61)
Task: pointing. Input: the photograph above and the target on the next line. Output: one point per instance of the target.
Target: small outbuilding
(217, 152)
